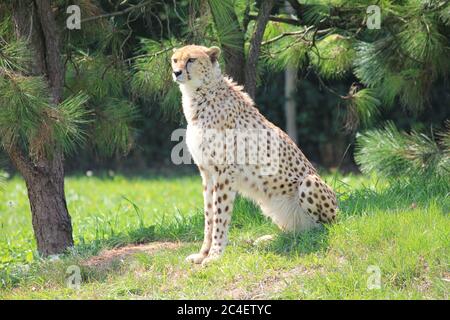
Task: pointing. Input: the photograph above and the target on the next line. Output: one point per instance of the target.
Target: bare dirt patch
(270, 285)
(108, 256)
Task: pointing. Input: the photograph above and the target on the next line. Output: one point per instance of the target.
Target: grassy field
(392, 241)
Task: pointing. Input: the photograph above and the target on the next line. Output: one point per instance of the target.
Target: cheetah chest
(194, 138)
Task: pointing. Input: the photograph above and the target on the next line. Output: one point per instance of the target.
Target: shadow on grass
(291, 244)
(183, 229)
(399, 194)
(246, 216)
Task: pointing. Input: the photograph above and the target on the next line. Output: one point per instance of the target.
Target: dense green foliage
(350, 77)
(96, 107)
(393, 153)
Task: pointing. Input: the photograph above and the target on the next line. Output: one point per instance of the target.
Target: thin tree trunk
(290, 83)
(290, 78)
(255, 46)
(44, 177)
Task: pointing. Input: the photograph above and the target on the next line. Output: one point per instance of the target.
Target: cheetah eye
(190, 60)
(175, 60)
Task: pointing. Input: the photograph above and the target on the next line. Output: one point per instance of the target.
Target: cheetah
(290, 193)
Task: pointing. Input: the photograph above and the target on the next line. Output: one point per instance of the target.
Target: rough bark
(51, 43)
(255, 46)
(45, 185)
(44, 177)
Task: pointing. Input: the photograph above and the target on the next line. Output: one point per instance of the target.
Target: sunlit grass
(400, 228)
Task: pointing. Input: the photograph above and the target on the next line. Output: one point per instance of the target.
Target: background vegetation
(402, 69)
(99, 104)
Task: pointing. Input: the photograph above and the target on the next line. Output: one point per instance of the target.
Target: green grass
(401, 228)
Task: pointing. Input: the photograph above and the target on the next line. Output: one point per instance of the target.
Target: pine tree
(396, 65)
(55, 94)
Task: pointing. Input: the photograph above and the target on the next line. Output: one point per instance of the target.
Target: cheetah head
(195, 65)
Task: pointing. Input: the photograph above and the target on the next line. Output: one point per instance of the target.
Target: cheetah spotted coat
(293, 196)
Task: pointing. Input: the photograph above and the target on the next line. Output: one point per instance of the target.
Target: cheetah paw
(196, 258)
(263, 239)
(210, 259)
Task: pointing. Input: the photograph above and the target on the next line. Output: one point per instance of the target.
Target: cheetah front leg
(223, 198)
(208, 187)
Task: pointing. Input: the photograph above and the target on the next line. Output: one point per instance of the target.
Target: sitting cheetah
(290, 192)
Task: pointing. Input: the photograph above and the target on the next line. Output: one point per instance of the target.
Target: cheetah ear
(213, 53)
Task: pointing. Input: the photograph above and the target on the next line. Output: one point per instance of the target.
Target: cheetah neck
(196, 99)
(213, 94)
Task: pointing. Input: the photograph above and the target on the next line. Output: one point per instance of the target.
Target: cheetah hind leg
(317, 199)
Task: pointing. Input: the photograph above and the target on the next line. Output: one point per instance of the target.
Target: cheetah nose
(177, 73)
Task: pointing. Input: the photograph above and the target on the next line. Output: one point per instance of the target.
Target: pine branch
(246, 19)
(285, 34)
(110, 139)
(333, 20)
(230, 36)
(392, 153)
(290, 21)
(331, 90)
(303, 34)
(151, 55)
(117, 13)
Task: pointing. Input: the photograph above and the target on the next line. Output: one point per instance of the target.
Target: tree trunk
(45, 185)
(44, 177)
(51, 220)
(255, 46)
(290, 83)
